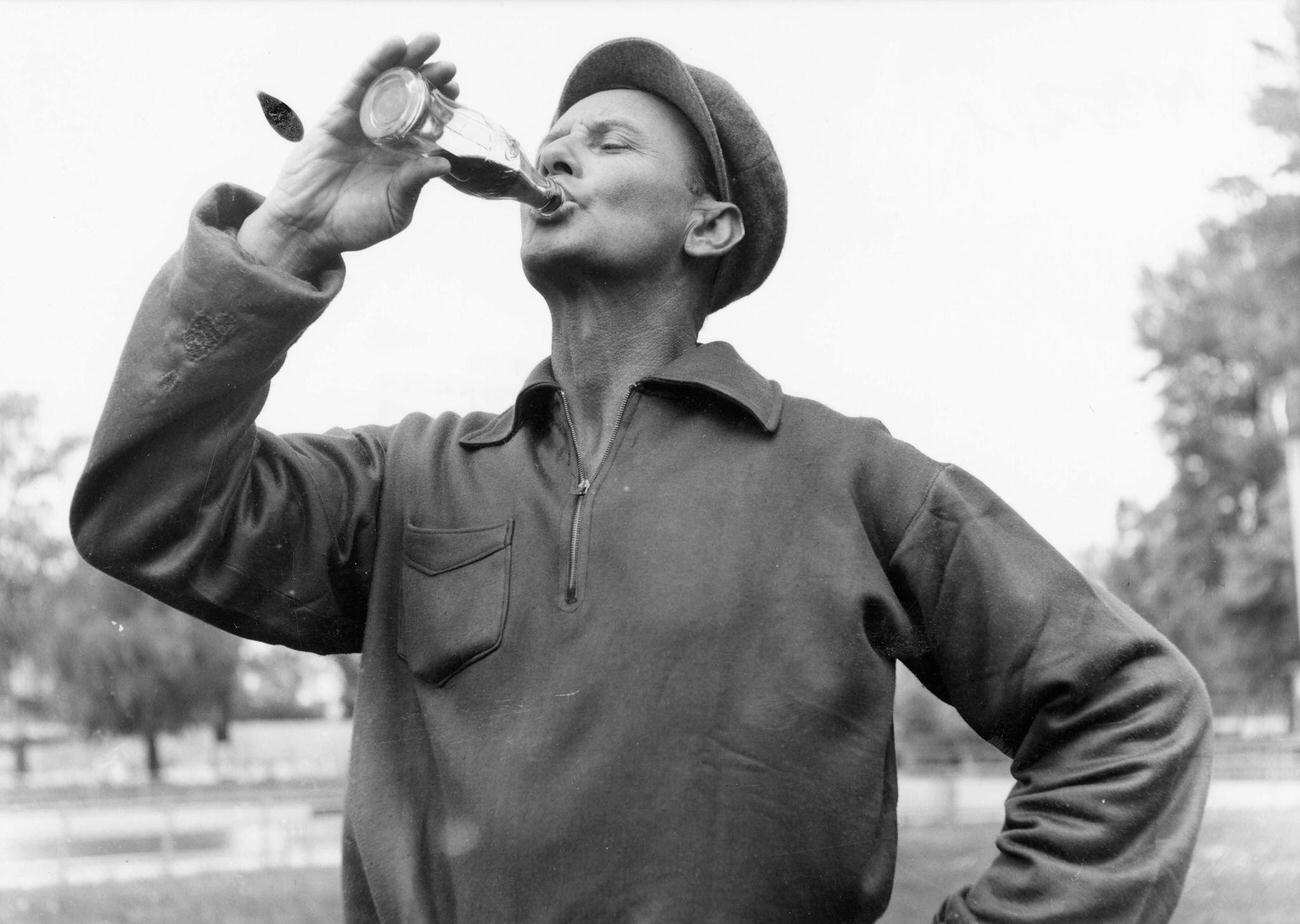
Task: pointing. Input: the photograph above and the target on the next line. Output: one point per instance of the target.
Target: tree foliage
(1211, 564)
(30, 550)
(271, 683)
(30, 556)
(118, 660)
(127, 664)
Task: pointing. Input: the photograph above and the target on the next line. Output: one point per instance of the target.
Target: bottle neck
(553, 196)
(541, 192)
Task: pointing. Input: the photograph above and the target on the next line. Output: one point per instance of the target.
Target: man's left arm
(1107, 723)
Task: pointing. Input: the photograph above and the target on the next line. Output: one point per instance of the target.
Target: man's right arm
(182, 495)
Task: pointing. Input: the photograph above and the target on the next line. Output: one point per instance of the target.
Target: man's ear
(715, 228)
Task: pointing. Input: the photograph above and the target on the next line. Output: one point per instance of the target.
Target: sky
(975, 188)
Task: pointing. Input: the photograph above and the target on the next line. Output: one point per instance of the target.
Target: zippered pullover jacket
(659, 690)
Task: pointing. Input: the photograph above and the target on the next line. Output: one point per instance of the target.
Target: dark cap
(744, 163)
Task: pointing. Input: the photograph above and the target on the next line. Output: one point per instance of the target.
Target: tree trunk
(20, 757)
(154, 762)
(221, 726)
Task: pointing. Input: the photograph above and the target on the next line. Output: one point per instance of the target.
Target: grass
(294, 896)
(1244, 870)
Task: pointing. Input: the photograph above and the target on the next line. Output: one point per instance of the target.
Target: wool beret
(745, 164)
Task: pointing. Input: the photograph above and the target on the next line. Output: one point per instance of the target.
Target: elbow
(140, 535)
(90, 538)
(1199, 707)
(1196, 714)
(83, 522)
(101, 529)
(1200, 717)
(1188, 722)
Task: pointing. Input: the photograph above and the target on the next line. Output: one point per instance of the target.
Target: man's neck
(602, 342)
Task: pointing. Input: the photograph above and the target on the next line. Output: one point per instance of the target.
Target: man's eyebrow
(605, 126)
(599, 127)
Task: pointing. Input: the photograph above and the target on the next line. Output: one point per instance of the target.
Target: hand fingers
(419, 49)
(439, 74)
(451, 89)
(391, 53)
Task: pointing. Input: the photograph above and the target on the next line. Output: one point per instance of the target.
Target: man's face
(627, 159)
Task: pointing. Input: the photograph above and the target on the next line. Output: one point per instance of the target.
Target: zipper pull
(583, 487)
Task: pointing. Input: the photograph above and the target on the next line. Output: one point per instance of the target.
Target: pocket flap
(434, 551)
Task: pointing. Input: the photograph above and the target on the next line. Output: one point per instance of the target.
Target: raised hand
(337, 191)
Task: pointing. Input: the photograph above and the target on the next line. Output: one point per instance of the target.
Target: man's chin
(548, 263)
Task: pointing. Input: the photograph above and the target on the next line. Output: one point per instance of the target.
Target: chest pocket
(455, 592)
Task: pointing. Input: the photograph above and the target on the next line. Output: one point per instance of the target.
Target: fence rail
(79, 843)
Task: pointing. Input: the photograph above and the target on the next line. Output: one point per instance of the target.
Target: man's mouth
(567, 206)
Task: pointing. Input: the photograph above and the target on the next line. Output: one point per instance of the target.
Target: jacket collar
(715, 368)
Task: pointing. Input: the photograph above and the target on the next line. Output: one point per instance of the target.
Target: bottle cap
(393, 105)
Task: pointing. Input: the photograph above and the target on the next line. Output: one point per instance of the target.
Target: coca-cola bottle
(401, 110)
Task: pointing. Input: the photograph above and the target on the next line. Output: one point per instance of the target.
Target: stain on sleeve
(205, 334)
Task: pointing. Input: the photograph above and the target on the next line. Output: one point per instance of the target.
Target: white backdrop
(974, 187)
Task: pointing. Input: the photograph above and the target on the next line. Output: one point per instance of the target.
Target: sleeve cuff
(214, 223)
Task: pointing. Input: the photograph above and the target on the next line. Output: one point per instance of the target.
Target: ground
(1244, 870)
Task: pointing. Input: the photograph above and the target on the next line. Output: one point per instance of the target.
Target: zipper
(584, 484)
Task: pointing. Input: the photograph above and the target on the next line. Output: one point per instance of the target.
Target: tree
(30, 553)
(128, 664)
(1212, 562)
(271, 683)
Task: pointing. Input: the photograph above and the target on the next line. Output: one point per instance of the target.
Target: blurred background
(1056, 243)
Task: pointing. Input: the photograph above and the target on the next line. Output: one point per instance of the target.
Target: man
(629, 646)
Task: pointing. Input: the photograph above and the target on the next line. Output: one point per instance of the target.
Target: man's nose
(556, 157)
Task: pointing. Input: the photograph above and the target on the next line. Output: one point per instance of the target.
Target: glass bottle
(402, 111)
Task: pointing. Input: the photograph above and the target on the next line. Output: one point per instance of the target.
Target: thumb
(409, 179)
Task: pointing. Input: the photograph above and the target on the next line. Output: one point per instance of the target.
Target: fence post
(65, 846)
(266, 831)
(168, 837)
